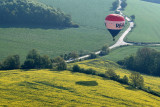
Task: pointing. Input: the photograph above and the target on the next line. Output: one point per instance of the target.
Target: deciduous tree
(137, 80)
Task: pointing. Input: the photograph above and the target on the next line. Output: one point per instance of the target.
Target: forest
(145, 61)
(31, 13)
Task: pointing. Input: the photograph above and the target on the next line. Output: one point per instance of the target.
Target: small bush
(0, 66)
(104, 51)
(62, 65)
(92, 56)
(112, 75)
(76, 68)
(59, 63)
(125, 80)
(35, 60)
(101, 75)
(28, 64)
(90, 71)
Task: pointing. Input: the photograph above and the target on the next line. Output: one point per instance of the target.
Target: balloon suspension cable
(113, 39)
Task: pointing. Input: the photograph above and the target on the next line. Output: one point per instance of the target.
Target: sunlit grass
(147, 26)
(122, 52)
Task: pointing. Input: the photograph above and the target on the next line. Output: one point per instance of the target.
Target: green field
(125, 51)
(147, 21)
(91, 35)
(62, 88)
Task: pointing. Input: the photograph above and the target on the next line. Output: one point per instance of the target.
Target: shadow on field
(29, 70)
(52, 85)
(87, 83)
(28, 84)
(131, 88)
(153, 1)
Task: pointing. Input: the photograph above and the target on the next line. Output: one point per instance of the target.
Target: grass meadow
(91, 35)
(63, 88)
(125, 51)
(147, 20)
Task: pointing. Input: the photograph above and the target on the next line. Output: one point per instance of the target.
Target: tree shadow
(152, 1)
(87, 83)
(131, 88)
(29, 70)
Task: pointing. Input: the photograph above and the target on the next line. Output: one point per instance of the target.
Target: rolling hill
(47, 87)
(63, 88)
(103, 65)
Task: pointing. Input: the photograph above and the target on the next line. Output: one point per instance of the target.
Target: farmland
(63, 88)
(147, 26)
(48, 87)
(122, 52)
(91, 35)
(103, 65)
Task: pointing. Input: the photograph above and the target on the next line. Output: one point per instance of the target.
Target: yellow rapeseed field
(103, 65)
(63, 88)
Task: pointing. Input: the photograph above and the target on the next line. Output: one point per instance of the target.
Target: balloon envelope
(114, 23)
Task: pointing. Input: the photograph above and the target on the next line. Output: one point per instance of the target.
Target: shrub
(62, 65)
(46, 62)
(104, 51)
(125, 80)
(0, 66)
(92, 56)
(35, 60)
(90, 71)
(28, 64)
(11, 62)
(59, 63)
(76, 68)
(101, 75)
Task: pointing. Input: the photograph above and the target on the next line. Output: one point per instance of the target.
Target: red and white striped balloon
(114, 23)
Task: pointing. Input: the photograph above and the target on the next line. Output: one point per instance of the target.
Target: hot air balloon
(114, 23)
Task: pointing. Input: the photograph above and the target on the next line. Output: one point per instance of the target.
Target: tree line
(74, 55)
(135, 80)
(33, 61)
(27, 12)
(145, 61)
(36, 61)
